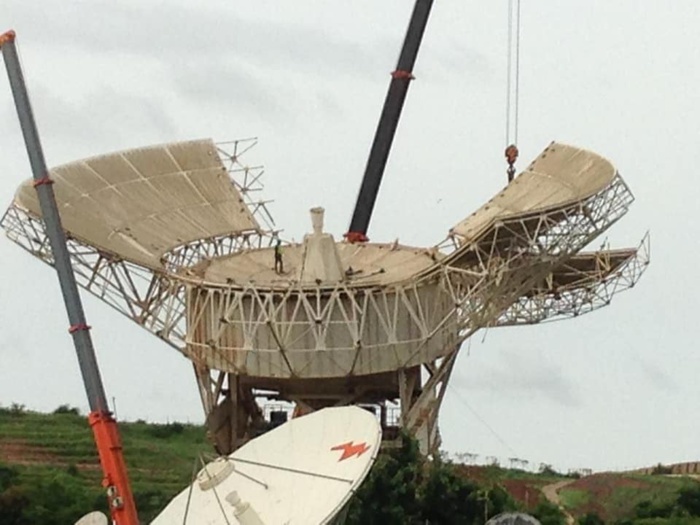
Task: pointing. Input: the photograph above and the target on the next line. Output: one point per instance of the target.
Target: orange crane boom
(104, 426)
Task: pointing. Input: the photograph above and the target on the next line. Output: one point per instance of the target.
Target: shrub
(66, 409)
(591, 519)
(404, 488)
(167, 430)
(660, 470)
(8, 477)
(549, 514)
(648, 509)
(13, 504)
(389, 494)
(689, 499)
(17, 409)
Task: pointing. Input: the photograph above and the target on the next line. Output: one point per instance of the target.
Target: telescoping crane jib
(389, 120)
(104, 426)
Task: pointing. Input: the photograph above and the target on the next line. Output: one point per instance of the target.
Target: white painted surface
(301, 473)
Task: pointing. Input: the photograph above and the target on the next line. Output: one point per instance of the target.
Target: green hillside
(55, 453)
(616, 498)
(50, 474)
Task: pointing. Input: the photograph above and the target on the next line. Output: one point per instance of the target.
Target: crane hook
(511, 157)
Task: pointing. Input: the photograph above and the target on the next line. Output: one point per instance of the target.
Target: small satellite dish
(513, 518)
(303, 472)
(94, 518)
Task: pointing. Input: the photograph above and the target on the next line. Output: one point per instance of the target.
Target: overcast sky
(614, 389)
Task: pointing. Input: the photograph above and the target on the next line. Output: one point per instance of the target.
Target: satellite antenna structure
(304, 471)
(513, 518)
(175, 238)
(93, 518)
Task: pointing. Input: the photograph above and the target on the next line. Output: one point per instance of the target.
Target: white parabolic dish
(94, 518)
(301, 473)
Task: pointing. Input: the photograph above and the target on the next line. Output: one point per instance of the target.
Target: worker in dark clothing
(279, 265)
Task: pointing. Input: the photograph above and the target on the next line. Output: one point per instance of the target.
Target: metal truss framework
(586, 287)
(503, 276)
(247, 179)
(234, 416)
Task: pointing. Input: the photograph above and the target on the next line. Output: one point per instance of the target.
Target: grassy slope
(161, 458)
(525, 487)
(615, 496)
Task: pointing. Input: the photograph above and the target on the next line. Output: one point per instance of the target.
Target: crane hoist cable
(513, 87)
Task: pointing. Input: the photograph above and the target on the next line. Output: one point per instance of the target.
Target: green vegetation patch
(50, 474)
(47, 458)
(573, 499)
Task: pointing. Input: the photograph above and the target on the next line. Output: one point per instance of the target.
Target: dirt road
(551, 492)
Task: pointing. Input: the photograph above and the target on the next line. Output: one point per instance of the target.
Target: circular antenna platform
(304, 471)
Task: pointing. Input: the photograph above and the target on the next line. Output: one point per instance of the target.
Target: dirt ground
(18, 452)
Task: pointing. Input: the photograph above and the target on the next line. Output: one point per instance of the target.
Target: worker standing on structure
(279, 264)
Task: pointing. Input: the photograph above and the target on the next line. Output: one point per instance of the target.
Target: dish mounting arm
(104, 427)
(389, 120)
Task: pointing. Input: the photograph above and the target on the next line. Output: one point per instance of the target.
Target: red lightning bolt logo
(349, 449)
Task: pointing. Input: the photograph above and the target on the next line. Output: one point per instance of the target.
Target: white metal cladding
(561, 175)
(140, 204)
(327, 334)
(303, 472)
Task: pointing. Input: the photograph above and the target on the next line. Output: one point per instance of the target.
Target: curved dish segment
(560, 176)
(303, 472)
(140, 204)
